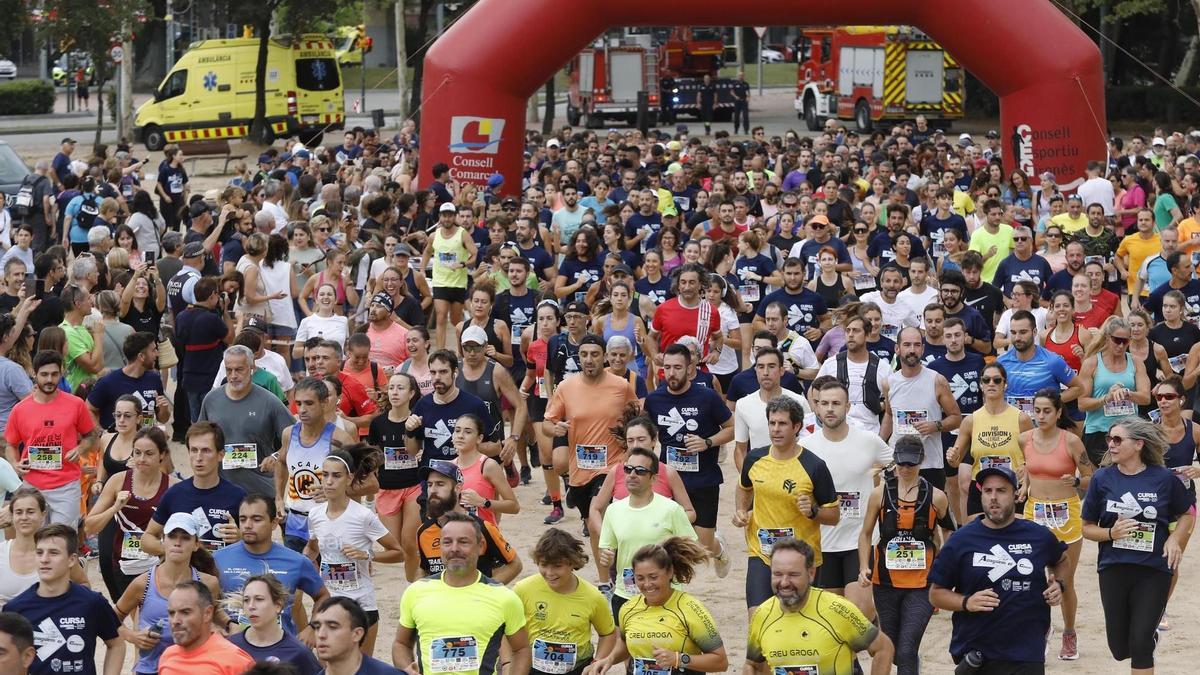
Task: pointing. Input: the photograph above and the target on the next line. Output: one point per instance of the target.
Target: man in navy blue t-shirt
(880, 247)
(693, 422)
(807, 313)
(935, 224)
(1022, 264)
(138, 378)
(67, 618)
(1183, 280)
(991, 574)
(211, 499)
(431, 424)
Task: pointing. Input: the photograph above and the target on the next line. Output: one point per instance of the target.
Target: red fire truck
(668, 63)
(876, 73)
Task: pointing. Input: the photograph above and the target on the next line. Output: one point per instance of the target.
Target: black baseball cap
(443, 466)
(576, 307)
(909, 451)
(192, 249)
(197, 208)
(1002, 471)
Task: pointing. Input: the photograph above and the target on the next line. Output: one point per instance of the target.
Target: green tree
(291, 17)
(92, 27)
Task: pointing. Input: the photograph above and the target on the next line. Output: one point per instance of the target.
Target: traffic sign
(761, 30)
(117, 53)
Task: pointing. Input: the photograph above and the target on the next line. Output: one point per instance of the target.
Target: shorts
(450, 294)
(1068, 530)
(372, 617)
(390, 502)
(579, 668)
(62, 504)
(758, 582)
(745, 317)
(537, 408)
(838, 569)
(705, 500)
(1096, 444)
(276, 331)
(580, 496)
(617, 602)
(936, 478)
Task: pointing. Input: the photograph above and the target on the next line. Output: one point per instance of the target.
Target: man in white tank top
(305, 446)
(918, 401)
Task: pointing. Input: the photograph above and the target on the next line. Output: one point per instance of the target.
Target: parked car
(8, 69)
(771, 55)
(13, 171)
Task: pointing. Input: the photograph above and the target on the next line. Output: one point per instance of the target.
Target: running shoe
(546, 499)
(556, 514)
(586, 534)
(1070, 647)
(1163, 624)
(535, 460)
(721, 562)
(526, 475)
(510, 472)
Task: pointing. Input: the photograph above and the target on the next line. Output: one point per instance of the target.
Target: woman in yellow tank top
(990, 436)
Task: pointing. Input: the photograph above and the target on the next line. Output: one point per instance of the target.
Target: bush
(27, 97)
(1161, 104)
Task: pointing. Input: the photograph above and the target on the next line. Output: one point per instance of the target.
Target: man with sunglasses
(821, 235)
(1023, 264)
(644, 517)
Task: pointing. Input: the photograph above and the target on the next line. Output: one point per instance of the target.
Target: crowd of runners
(923, 381)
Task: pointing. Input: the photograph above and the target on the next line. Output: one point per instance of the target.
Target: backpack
(23, 205)
(872, 396)
(89, 210)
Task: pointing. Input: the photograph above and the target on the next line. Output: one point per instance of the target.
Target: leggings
(903, 615)
(1134, 598)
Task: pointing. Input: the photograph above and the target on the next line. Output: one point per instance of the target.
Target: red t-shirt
(715, 232)
(54, 428)
(355, 401)
(1107, 301)
(673, 321)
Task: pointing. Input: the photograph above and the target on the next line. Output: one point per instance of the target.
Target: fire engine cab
(606, 78)
(874, 73)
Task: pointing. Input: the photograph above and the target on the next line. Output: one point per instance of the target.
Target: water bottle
(971, 662)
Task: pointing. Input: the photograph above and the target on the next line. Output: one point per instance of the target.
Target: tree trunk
(548, 117)
(401, 59)
(419, 60)
(99, 111)
(260, 130)
(1191, 59)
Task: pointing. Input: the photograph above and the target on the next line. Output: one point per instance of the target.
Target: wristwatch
(938, 424)
(708, 443)
(487, 503)
(684, 659)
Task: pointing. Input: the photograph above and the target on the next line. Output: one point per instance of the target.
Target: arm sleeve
(188, 291)
(554, 410)
(608, 539)
(84, 423)
(753, 648)
(107, 623)
(851, 625)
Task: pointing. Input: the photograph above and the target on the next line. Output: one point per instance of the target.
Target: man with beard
(431, 423)
(198, 647)
(457, 618)
(257, 554)
(835, 630)
(688, 313)
(863, 373)
(1075, 257)
(961, 368)
(693, 423)
(918, 400)
(495, 559)
(951, 287)
(896, 313)
(46, 435)
(807, 313)
(643, 518)
(1031, 367)
(992, 574)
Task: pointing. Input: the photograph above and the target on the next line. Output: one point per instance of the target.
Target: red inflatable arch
(480, 74)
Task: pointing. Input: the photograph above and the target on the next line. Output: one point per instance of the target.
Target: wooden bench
(211, 148)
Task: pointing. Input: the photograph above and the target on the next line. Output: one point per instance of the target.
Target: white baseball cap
(474, 334)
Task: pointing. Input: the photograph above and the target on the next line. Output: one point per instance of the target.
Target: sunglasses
(1115, 440)
(859, 231)
(1053, 234)
(1020, 238)
(992, 380)
(1165, 397)
(323, 229)
(639, 470)
(817, 226)
(1119, 340)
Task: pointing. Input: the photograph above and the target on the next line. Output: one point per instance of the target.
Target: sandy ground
(725, 597)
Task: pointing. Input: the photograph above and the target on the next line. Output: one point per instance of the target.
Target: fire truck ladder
(650, 71)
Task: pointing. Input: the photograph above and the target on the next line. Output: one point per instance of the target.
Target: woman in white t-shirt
(721, 295)
(255, 297)
(18, 561)
(145, 222)
(281, 286)
(323, 323)
(343, 534)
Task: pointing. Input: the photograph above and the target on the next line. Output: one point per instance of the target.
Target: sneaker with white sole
(1070, 647)
(722, 562)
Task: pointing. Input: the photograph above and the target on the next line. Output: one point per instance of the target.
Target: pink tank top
(473, 479)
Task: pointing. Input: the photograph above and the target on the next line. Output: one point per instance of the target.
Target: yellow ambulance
(209, 94)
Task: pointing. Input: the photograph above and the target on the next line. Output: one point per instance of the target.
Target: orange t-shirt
(591, 409)
(217, 656)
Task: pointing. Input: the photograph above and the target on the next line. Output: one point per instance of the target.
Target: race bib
(995, 462)
(749, 292)
(541, 387)
(806, 669)
(1120, 408)
(768, 536)
(627, 580)
(682, 460)
(175, 184)
(1155, 415)
(131, 546)
(648, 667)
(398, 459)
(516, 333)
(1141, 540)
(850, 504)
(553, 657)
(1178, 473)
(454, 654)
(340, 577)
(240, 456)
(863, 281)
(1178, 362)
(45, 457)
(1024, 404)
(939, 249)
(889, 331)
(591, 457)
(1053, 515)
(904, 554)
(447, 258)
(906, 421)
